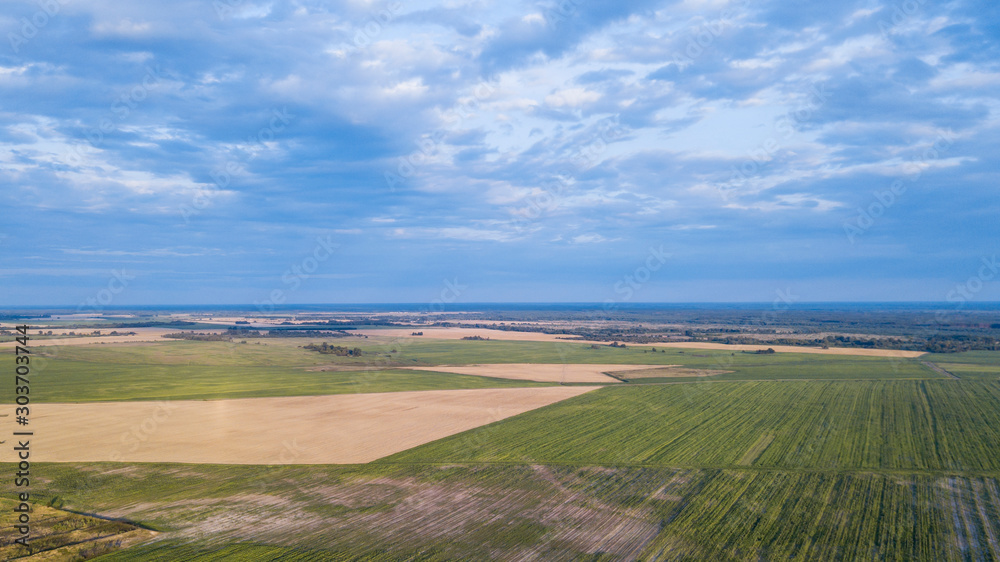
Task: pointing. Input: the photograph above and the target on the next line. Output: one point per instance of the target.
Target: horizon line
(454, 305)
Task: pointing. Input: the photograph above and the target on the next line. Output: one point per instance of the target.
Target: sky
(274, 153)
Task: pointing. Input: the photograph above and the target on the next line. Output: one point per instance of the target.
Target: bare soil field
(479, 513)
(339, 429)
(540, 372)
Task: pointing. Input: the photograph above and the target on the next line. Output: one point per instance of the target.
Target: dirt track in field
(339, 429)
(541, 372)
(666, 371)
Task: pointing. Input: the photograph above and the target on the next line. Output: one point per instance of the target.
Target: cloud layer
(533, 150)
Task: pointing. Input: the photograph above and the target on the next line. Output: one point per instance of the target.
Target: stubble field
(337, 429)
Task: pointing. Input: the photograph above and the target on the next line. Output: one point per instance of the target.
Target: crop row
(815, 516)
(899, 425)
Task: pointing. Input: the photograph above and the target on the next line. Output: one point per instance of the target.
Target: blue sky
(234, 151)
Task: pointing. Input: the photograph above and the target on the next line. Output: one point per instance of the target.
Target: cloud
(540, 134)
(589, 239)
(454, 233)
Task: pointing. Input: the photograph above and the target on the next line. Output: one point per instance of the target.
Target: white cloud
(124, 26)
(589, 239)
(413, 87)
(790, 202)
(572, 97)
(693, 227)
(852, 49)
(455, 233)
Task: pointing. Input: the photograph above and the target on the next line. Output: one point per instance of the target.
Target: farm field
(338, 429)
(184, 370)
(73, 382)
(743, 365)
(563, 373)
(508, 512)
(483, 281)
(701, 454)
(457, 333)
(63, 535)
(877, 425)
(969, 365)
(971, 371)
(141, 335)
(665, 372)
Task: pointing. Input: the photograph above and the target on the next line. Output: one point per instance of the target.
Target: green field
(789, 456)
(211, 370)
(967, 357)
(489, 512)
(174, 370)
(969, 365)
(897, 425)
(972, 371)
(745, 366)
(82, 382)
